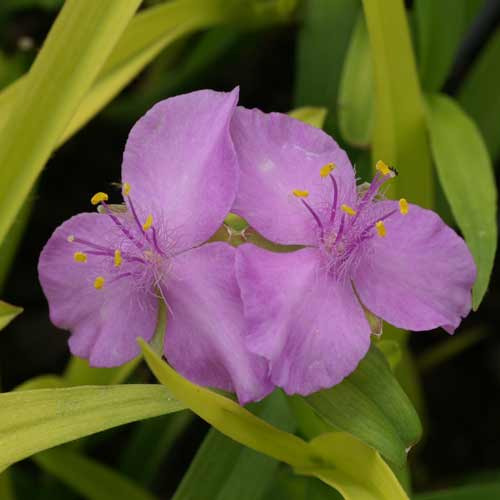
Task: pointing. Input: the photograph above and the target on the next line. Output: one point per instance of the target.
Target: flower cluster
(246, 319)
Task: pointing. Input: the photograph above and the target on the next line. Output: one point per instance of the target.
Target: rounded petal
(180, 163)
(419, 276)
(277, 154)
(311, 329)
(204, 339)
(104, 323)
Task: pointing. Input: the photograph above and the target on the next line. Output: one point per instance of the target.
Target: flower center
(139, 252)
(343, 229)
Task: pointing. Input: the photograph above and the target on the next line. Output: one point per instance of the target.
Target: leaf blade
(32, 421)
(457, 144)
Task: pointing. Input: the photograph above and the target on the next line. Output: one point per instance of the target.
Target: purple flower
(304, 309)
(103, 273)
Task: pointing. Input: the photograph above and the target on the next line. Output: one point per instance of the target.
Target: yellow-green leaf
(7, 313)
(77, 46)
(92, 480)
(400, 135)
(317, 458)
(32, 421)
(466, 175)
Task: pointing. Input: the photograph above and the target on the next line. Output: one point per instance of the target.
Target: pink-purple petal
(311, 329)
(205, 329)
(419, 276)
(180, 163)
(276, 155)
(103, 323)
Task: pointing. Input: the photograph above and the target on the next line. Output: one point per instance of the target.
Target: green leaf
(440, 27)
(466, 175)
(150, 444)
(79, 372)
(479, 95)
(75, 50)
(91, 479)
(322, 43)
(371, 405)
(32, 421)
(472, 492)
(356, 99)
(310, 115)
(223, 469)
(334, 458)
(42, 382)
(400, 135)
(7, 313)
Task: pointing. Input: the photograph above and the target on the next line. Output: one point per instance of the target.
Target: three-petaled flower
(104, 272)
(304, 309)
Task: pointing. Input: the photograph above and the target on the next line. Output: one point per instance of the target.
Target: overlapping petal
(420, 275)
(103, 323)
(180, 163)
(311, 329)
(205, 327)
(276, 155)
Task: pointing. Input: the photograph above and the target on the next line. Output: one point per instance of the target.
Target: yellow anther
(70, 238)
(80, 257)
(300, 193)
(381, 231)
(98, 282)
(118, 258)
(347, 209)
(327, 169)
(126, 189)
(98, 198)
(148, 223)
(403, 206)
(383, 168)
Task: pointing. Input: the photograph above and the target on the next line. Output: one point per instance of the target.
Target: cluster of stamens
(340, 238)
(145, 240)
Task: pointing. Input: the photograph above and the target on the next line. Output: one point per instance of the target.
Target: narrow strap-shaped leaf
(75, 50)
(223, 469)
(371, 405)
(336, 462)
(466, 175)
(356, 99)
(400, 136)
(322, 43)
(91, 479)
(440, 27)
(479, 94)
(150, 443)
(32, 421)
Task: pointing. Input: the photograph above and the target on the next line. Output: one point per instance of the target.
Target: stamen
(148, 223)
(123, 229)
(99, 198)
(381, 231)
(403, 206)
(300, 193)
(347, 209)
(118, 258)
(383, 168)
(80, 257)
(335, 198)
(126, 189)
(327, 169)
(98, 282)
